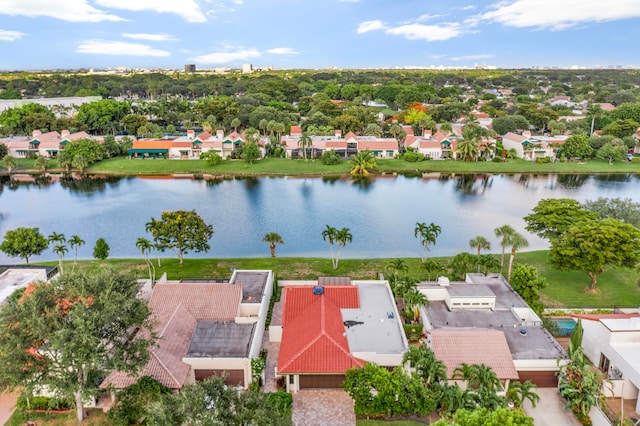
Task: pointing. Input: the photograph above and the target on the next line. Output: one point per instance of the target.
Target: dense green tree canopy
(211, 402)
(65, 333)
(625, 209)
(181, 231)
(103, 116)
(577, 146)
(593, 246)
(553, 216)
(24, 243)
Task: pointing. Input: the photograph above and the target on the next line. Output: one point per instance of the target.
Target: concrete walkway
(7, 405)
(322, 407)
(550, 410)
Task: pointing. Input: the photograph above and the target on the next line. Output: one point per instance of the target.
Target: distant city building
(247, 68)
(190, 68)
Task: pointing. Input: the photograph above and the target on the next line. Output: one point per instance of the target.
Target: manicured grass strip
(96, 418)
(616, 288)
(364, 422)
(283, 166)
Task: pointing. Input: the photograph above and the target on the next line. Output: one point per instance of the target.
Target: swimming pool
(566, 325)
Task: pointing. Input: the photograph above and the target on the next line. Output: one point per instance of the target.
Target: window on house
(604, 363)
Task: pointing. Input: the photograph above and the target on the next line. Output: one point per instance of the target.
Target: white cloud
(427, 32)
(415, 31)
(189, 10)
(67, 10)
(224, 57)
(468, 57)
(558, 15)
(367, 26)
(283, 51)
(8, 35)
(150, 37)
(107, 47)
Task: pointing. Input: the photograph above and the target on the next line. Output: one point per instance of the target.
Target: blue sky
(69, 34)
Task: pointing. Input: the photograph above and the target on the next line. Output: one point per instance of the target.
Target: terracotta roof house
(345, 146)
(529, 147)
(487, 311)
(205, 328)
(44, 144)
(327, 329)
(612, 343)
(474, 346)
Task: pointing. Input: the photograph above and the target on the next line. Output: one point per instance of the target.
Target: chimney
(36, 133)
(191, 134)
(526, 133)
(219, 134)
(64, 133)
(426, 133)
(338, 133)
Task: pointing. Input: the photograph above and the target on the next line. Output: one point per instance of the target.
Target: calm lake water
(381, 213)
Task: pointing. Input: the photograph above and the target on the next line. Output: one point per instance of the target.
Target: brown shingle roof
(474, 346)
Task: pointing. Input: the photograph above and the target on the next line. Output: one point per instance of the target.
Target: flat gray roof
(537, 343)
(372, 330)
(470, 290)
(253, 284)
(14, 279)
(220, 339)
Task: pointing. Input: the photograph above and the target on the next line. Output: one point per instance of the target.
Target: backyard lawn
(616, 288)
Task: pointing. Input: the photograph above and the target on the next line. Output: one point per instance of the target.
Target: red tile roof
(298, 298)
(476, 346)
(313, 339)
(151, 144)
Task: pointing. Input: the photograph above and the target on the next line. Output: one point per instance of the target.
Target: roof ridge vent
(318, 290)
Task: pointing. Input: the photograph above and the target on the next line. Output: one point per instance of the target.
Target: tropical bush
(413, 157)
(330, 158)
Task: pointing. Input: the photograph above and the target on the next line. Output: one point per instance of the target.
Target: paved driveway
(322, 407)
(550, 410)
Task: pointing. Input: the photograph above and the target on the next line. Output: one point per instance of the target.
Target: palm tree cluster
(482, 384)
(339, 238)
(427, 235)
(60, 248)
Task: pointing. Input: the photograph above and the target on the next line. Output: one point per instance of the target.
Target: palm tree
(60, 250)
(505, 231)
(305, 143)
(413, 299)
(56, 238)
(480, 243)
(427, 235)
(487, 262)
(424, 361)
(434, 267)
(446, 128)
(397, 266)
(9, 163)
(80, 162)
(516, 241)
(338, 237)
(145, 247)
(235, 123)
(519, 392)
(273, 238)
(468, 149)
(41, 163)
(65, 161)
(75, 242)
(462, 263)
(152, 228)
(361, 163)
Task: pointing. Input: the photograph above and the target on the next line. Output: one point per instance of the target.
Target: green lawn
(616, 288)
(363, 422)
(282, 166)
(96, 418)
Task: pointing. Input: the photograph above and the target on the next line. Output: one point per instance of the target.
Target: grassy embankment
(282, 166)
(616, 288)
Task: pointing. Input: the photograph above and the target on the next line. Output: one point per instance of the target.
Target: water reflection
(572, 181)
(380, 212)
(89, 185)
